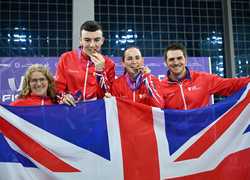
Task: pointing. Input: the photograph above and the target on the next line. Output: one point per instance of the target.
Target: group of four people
(85, 74)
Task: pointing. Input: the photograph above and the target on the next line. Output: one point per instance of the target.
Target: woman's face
(133, 61)
(38, 84)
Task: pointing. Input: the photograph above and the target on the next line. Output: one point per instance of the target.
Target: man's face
(176, 63)
(133, 61)
(91, 41)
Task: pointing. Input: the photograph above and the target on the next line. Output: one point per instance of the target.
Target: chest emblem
(194, 88)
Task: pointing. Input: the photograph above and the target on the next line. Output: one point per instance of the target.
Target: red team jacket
(72, 70)
(147, 93)
(195, 90)
(32, 100)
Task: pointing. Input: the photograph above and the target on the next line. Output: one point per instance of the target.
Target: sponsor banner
(12, 70)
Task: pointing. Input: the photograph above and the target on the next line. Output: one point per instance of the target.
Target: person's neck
(133, 76)
(178, 77)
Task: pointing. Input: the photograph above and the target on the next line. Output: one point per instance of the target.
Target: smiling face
(91, 41)
(38, 83)
(132, 61)
(176, 62)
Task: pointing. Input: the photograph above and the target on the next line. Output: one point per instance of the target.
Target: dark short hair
(129, 47)
(175, 46)
(91, 26)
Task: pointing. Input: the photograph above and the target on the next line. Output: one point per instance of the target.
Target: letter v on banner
(12, 84)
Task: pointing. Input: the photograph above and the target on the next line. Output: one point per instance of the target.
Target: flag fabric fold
(123, 140)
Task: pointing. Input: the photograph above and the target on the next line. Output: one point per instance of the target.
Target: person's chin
(177, 73)
(177, 70)
(40, 94)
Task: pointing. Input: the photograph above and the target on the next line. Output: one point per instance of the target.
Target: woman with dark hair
(137, 84)
(38, 87)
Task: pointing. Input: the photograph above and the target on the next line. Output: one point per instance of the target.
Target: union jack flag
(121, 140)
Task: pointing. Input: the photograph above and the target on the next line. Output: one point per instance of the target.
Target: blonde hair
(26, 90)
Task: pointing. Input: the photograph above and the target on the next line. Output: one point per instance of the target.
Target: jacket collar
(134, 84)
(35, 96)
(81, 55)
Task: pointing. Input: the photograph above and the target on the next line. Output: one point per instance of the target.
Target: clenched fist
(98, 60)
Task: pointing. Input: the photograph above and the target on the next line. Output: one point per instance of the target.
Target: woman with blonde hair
(37, 88)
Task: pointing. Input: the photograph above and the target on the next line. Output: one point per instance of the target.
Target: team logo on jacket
(194, 88)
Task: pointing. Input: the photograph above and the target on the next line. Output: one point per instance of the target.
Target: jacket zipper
(85, 81)
(182, 96)
(134, 96)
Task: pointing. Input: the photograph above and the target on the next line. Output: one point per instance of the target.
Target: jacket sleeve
(226, 86)
(154, 90)
(60, 79)
(118, 88)
(16, 103)
(106, 78)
